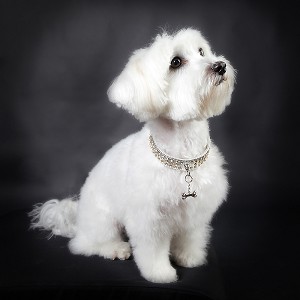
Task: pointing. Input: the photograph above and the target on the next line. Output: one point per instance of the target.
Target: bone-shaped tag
(193, 194)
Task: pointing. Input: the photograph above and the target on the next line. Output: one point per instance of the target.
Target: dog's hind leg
(98, 233)
(110, 249)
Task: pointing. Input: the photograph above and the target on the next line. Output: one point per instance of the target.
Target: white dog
(163, 184)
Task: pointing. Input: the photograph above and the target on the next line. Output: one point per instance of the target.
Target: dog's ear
(140, 88)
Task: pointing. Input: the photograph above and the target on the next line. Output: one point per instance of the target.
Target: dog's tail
(59, 217)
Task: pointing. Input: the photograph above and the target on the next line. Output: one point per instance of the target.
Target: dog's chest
(184, 185)
(179, 191)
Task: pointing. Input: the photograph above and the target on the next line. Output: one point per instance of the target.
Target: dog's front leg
(188, 248)
(151, 254)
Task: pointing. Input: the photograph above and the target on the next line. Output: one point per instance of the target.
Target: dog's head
(176, 77)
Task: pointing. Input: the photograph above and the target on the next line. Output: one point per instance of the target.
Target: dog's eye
(201, 51)
(176, 62)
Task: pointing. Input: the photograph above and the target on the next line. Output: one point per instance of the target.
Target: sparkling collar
(186, 165)
(178, 163)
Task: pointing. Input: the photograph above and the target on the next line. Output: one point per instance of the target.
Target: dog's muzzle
(219, 67)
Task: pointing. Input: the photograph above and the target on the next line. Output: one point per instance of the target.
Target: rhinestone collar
(178, 163)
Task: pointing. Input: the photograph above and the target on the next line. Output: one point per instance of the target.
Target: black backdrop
(57, 59)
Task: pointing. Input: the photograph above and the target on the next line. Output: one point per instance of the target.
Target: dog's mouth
(216, 79)
(219, 79)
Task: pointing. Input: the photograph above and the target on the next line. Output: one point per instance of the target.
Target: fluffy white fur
(130, 189)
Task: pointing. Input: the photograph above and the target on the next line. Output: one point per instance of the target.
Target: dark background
(57, 59)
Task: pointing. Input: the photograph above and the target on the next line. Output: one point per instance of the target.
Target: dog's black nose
(219, 67)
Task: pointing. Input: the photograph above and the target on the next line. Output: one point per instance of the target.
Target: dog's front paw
(160, 274)
(190, 259)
